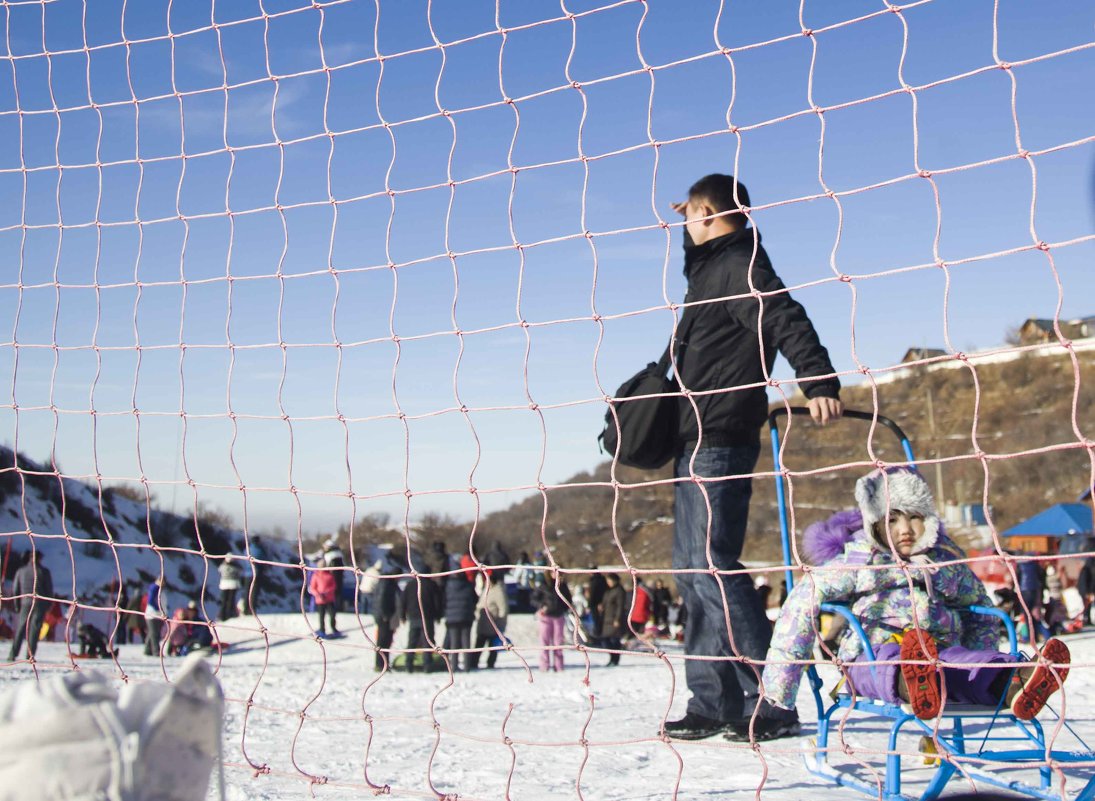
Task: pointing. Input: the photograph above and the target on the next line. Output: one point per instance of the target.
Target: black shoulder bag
(648, 433)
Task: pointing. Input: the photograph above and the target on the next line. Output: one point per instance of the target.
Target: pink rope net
(273, 739)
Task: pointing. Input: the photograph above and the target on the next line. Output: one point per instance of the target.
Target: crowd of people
(1035, 599)
(143, 611)
(472, 599)
(469, 596)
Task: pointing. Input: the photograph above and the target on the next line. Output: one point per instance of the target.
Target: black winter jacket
(384, 601)
(1085, 584)
(721, 347)
(614, 623)
(429, 612)
(545, 598)
(460, 600)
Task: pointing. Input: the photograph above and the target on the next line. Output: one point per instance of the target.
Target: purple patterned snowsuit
(866, 577)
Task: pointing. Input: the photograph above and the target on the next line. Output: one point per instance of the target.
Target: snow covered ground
(322, 724)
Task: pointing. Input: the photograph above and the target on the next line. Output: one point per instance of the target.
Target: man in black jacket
(724, 350)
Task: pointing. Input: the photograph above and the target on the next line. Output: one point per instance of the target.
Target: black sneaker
(694, 727)
(764, 728)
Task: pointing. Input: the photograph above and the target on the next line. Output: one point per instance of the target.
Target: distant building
(919, 354)
(1036, 331)
(965, 515)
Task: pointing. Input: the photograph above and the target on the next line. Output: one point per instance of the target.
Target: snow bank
(313, 719)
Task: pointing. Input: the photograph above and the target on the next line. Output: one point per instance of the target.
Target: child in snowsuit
(901, 575)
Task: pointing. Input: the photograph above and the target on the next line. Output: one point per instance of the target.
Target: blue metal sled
(986, 744)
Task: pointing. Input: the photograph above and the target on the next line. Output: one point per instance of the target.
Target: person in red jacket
(323, 587)
(641, 608)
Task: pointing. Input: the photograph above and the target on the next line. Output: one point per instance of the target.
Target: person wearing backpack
(739, 317)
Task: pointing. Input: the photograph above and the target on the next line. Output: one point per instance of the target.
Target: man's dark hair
(717, 190)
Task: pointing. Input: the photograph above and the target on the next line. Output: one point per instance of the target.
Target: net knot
(575, 85)
(1042, 246)
(845, 278)
(734, 129)
(1005, 65)
(807, 32)
(924, 173)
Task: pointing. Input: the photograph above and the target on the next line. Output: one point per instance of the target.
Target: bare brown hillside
(1032, 457)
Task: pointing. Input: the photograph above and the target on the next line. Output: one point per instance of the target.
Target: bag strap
(681, 332)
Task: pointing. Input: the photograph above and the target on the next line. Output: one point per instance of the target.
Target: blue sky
(194, 251)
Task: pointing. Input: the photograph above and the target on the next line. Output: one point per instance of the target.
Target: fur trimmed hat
(900, 489)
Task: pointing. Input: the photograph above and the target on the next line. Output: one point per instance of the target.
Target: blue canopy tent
(1071, 523)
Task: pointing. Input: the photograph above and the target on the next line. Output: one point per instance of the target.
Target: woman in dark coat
(614, 610)
(460, 602)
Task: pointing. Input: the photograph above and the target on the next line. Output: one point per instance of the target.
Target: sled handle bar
(781, 498)
(853, 414)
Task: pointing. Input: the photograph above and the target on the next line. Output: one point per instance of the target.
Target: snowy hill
(88, 539)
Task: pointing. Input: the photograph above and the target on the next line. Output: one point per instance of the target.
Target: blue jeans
(723, 690)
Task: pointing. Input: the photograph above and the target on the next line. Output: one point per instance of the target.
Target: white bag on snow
(77, 738)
